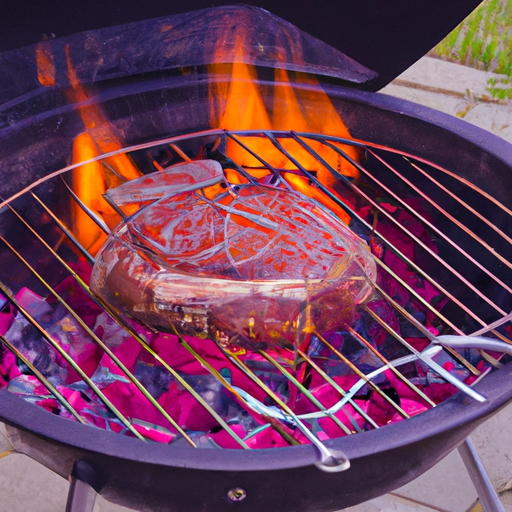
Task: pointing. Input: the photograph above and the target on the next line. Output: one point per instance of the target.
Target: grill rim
(383, 106)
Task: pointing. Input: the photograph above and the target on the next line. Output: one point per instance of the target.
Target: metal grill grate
(464, 262)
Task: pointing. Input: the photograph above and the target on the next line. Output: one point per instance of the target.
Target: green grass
(484, 41)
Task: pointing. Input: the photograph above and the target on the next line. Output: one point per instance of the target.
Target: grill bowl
(157, 477)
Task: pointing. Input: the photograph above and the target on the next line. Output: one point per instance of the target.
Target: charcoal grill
(460, 174)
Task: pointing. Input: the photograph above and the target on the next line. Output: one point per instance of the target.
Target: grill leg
(82, 495)
(5, 446)
(483, 485)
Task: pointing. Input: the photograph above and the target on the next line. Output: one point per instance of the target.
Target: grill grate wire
(388, 174)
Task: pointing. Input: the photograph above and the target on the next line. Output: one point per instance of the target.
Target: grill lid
(220, 35)
(385, 38)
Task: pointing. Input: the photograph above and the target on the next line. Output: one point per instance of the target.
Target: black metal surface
(154, 477)
(386, 37)
(40, 122)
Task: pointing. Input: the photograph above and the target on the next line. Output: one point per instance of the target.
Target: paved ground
(446, 488)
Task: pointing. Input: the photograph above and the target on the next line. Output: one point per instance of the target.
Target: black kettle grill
(154, 90)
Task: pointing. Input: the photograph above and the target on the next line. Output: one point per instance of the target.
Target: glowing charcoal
(252, 265)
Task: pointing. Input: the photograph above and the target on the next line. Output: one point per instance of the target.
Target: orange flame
(45, 64)
(243, 104)
(90, 181)
(306, 108)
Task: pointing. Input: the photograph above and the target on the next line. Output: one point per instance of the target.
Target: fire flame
(239, 105)
(45, 64)
(305, 108)
(90, 181)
